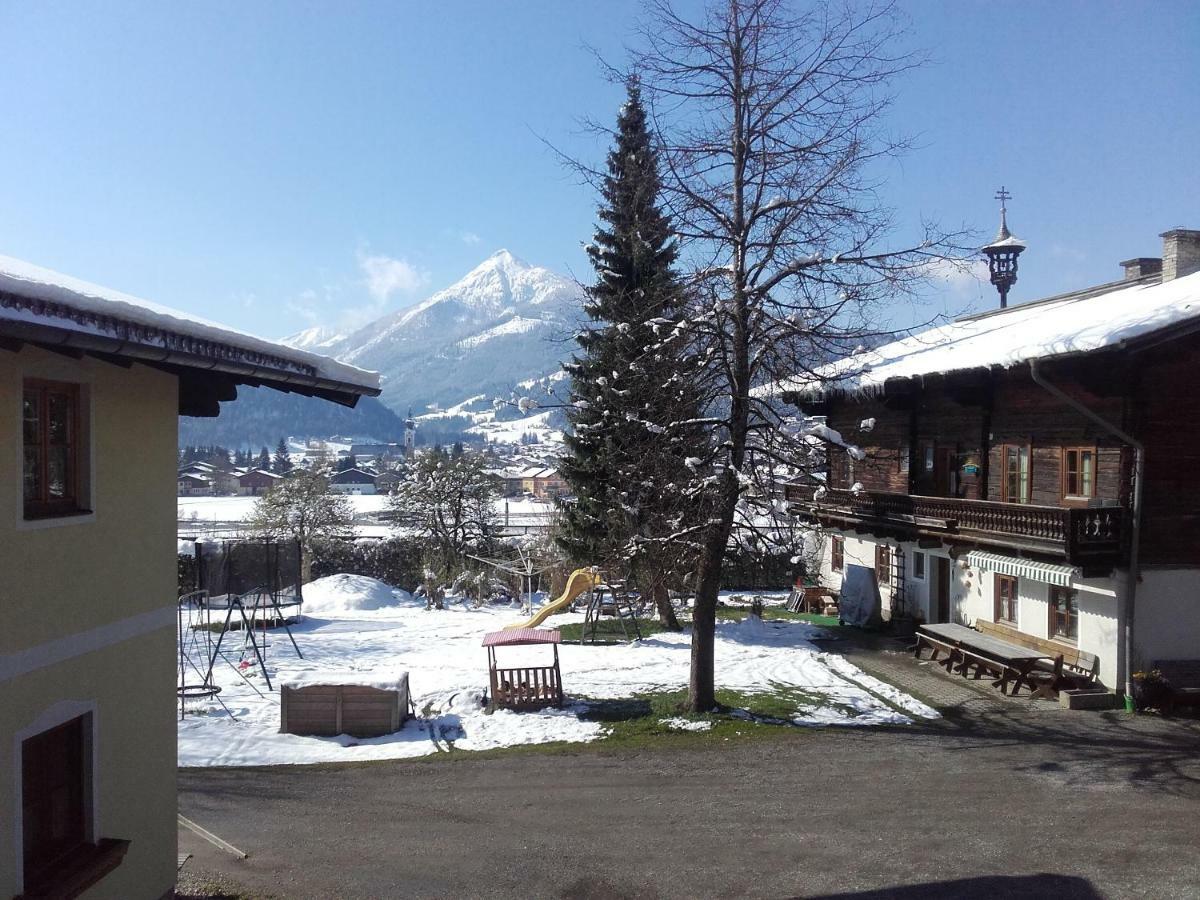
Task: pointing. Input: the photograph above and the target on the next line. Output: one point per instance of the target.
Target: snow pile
(347, 593)
(447, 666)
(679, 723)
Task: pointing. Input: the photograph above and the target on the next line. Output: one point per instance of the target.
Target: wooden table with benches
(966, 649)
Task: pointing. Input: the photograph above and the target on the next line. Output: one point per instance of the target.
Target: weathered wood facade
(936, 465)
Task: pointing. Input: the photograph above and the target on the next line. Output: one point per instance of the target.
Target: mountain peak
(504, 259)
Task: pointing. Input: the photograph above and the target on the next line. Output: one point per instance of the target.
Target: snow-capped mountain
(505, 322)
(318, 339)
(500, 332)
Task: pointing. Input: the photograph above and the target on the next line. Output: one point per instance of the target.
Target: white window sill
(24, 524)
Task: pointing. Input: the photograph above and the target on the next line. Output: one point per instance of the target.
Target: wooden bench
(1071, 668)
(1183, 676)
(809, 599)
(936, 645)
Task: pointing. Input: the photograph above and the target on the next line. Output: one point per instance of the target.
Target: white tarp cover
(858, 603)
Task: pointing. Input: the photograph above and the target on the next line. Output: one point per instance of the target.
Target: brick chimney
(1181, 253)
(1141, 265)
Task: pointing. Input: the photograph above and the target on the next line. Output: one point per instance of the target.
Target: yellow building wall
(94, 597)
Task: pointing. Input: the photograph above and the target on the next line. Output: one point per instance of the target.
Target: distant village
(359, 467)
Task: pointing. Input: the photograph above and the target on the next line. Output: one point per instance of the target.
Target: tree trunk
(702, 695)
(305, 563)
(666, 612)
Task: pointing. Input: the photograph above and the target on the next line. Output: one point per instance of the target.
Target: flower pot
(1151, 694)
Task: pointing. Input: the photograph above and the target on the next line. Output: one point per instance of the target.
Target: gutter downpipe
(1124, 672)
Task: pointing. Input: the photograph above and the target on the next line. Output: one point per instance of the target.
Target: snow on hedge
(447, 666)
(351, 593)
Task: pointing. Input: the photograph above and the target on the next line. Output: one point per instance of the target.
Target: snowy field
(447, 667)
(238, 509)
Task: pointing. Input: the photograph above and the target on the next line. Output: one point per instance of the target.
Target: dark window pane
(57, 475)
(31, 419)
(33, 474)
(53, 767)
(59, 418)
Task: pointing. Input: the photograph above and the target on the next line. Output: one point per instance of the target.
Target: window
(918, 559)
(55, 781)
(50, 423)
(1079, 472)
(1006, 599)
(837, 554)
(1014, 486)
(1064, 614)
(883, 564)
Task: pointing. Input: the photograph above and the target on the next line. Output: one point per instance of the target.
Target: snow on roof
(380, 680)
(1081, 322)
(260, 472)
(74, 305)
(511, 637)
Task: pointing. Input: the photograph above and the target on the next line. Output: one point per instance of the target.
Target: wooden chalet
(1000, 481)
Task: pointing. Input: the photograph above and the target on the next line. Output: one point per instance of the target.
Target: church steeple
(410, 435)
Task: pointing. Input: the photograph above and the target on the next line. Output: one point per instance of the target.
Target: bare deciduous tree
(769, 121)
(450, 502)
(300, 507)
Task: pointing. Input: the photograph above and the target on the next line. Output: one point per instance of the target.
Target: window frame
(918, 560)
(837, 553)
(1005, 493)
(1072, 616)
(883, 564)
(40, 869)
(1065, 473)
(998, 597)
(43, 506)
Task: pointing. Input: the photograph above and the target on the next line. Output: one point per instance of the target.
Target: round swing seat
(197, 691)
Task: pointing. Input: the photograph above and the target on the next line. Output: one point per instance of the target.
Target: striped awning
(1022, 568)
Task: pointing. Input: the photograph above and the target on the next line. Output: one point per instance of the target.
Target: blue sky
(272, 165)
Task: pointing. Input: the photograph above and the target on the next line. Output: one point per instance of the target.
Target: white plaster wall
(917, 588)
(1098, 631)
(1166, 623)
(1033, 607)
(970, 593)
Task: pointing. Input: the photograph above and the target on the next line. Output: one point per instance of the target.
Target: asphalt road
(1053, 804)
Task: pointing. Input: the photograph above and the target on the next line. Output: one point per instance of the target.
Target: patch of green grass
(775, 613)
(611, 631)
(637, 722)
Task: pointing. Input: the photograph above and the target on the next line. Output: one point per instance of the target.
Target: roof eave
(70, 340)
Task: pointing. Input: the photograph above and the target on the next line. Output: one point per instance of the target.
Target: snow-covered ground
(514, 511)
(447, 667)
(237, 509)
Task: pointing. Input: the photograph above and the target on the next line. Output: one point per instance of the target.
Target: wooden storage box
(353, 703)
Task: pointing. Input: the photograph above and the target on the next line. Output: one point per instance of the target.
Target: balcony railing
(1084, 536)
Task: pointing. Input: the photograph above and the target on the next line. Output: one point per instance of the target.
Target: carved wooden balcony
(1087, 537)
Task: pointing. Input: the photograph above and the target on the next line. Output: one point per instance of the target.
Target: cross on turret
(1003, 251)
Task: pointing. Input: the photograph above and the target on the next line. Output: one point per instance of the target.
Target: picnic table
(966, 648)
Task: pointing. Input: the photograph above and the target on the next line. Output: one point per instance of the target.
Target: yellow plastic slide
(581, 580)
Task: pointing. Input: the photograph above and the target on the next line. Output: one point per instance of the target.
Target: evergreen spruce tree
(264, 460)
(633, 405)
(282, 464)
